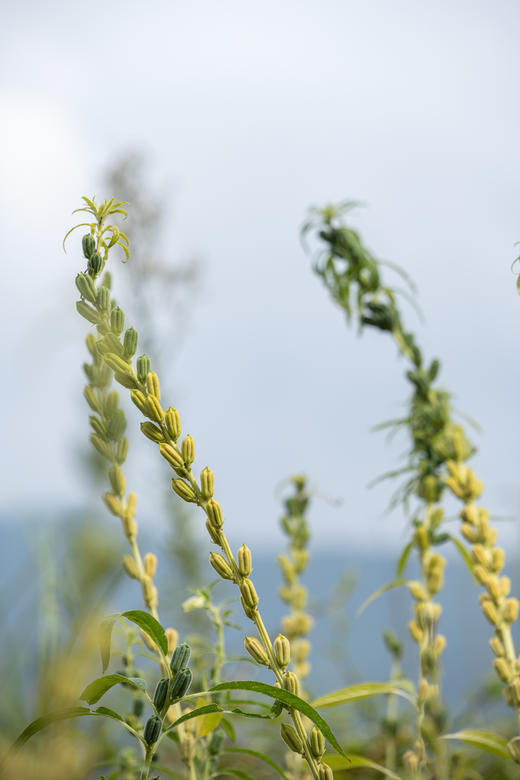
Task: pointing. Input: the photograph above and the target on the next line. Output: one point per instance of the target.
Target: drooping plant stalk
(439, 446)
(163, 427)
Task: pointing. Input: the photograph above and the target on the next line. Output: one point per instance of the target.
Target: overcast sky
(249, 113)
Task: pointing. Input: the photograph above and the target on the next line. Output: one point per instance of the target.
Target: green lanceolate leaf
(365, 691)
(403, 559)
(338, 762)
(379, 592)
(464, 554)
(150, 626)
(484, 740)
(196, 713)
(105, 640)
(97, 688)
(286, 698)
(262, 757)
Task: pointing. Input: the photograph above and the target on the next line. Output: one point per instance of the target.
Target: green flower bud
(152, 384)
(244, 561)
(113, 504)
(139, 399)
(291, 738)
(87, 312)
(117, 480)
(116, 425)
(152, 730)
(91, 399)
(102, 447)
(103, 298)
(152, 432)
(86, 287)
(121, 450)
(282, 650)
(130, 567)
(188, 449)
(316, 742)
(214, 513)
(173, 423)
(173, 457)
(184, 491)
(143, 367)
(221, 566)
(256, 650)
(154, 409)
(207, 482)
(117, 320)
(161, 693)
(291, 683)
(95, 263)
(117, 363)
(180, 657)
(88, 243)
(325, 772)
(130, 342)
(98, 426)
(180, 684)
(249, 594)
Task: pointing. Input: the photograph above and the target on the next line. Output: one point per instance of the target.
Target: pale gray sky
(249, 113)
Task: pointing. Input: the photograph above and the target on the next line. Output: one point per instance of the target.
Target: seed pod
(291, 683)
(152, 432)
(244, 561)
(291, 738)
(95, 263)
(130, 566)
(490, 612)
(214, 513)
(180, 684)
(154, 409)
(207, 483)
(325, 772)
(180, 657)
(150, 564)
(173, 422)
(121, 450)
(221, 566)
(188, 450)
(172, 637)
(139, 399)
(439, 643)
(415, 631)
(504, 585)
(86, 287)
(498, 559)
(117, 363)
(102, 447)
(249, 594)
(502, 669)
(173, 457)
(282, 650)
(138, 707)
(152, 730)
(117, 320)
(256, 650)
(184, 491)
(161, 693)
(216, 742)
(497, 646)
(511, 610)
(149, 592)
(87, 312)
(418, 591)
(213, 533)
(117, 480)
(98, 427)
(130, 342)
(152, 384)
(88, 242)
(316, 742)
(143, 367)
(103, 298)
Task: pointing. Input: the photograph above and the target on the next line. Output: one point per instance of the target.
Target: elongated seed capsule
(110, 343)
(121, 450)
(103, 298)
(417, 590)
(128, 380)
(139, 399)
(117, 363)
(180, 684)
(150, 564)
(130, 342)
(256, 650)
(291, 683)
(502, 669)
(490, 612)
(415, 631)
(86, 287)
(221, 566)
(161, 693)
(117, 320)
(325, 772)
(111, 403)
(180, 657)
(152, 730)
(497, 646)
(173, 457)
(244, 561)
(316, 742)
(214, 513)
(130, 566)
(207, 483)
(98, 426)
(152, 384)
(172, 637)
(88, 243)
(87, 312)
(184, 491)
(213, 533)
(513, 746)
(282, 650)
(188, 449)
(172, 422)
(143, 367)
(504, 586)
(291, 738)
(152, 432)
(439, 643)
(249, 594)
(249, 612)
(511, 610)
(117, 480)
(498, 559)
(113, 504)
(154, 409)
(95, 263)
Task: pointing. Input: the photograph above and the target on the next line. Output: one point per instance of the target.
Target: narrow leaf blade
(105, 640)
(150, 626)
(362, 691)
(482, 739)
(97, 688)
(338, 762)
